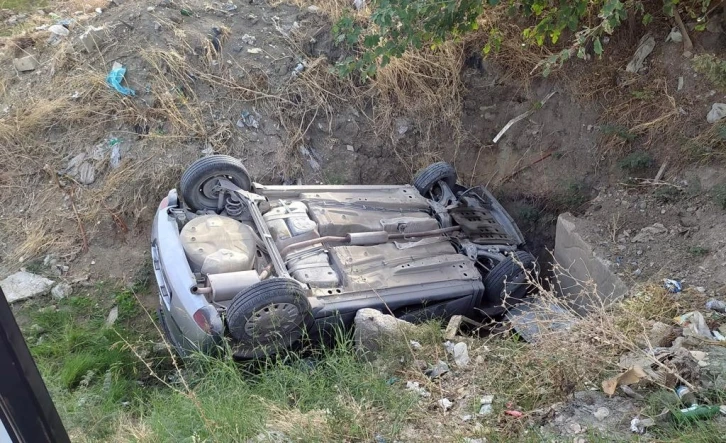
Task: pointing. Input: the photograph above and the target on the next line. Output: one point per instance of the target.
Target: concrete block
(582, 265)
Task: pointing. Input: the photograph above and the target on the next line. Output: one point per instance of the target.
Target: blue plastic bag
(673, 286)
(115, 77)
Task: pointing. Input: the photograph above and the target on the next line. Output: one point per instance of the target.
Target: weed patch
(637, 161)
(718, 194)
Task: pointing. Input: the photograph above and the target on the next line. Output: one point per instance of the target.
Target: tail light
(208, 320)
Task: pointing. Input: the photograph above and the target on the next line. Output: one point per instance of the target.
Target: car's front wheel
(268, 317)
(507, 283)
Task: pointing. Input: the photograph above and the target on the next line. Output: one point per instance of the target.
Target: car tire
(268, 317)
(507, 280)
(426, 178)
(197, 180)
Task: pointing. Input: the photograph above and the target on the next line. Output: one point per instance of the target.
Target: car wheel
(426, 178)
(198, 182)
(507, 280)
(268, 317)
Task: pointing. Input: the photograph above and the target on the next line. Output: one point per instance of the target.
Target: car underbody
(269, 266)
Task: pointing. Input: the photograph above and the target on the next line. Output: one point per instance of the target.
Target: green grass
(698, 251)
(22, 5)
(718, 194)
(637, 161)
(104, 391)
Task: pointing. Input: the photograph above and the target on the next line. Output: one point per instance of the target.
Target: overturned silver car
(270, 267)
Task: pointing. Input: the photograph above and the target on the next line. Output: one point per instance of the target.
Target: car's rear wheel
(268, 317)
(507, 282)
(199, 182)
(428, 177)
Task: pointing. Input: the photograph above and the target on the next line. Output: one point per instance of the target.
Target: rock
(93, 39)
(112, 316)
(372, 328)
(25, 64)
(415, 345)
(649, 233)
(23, 285)
(474, 440)
(661, 335)
(350, 148)
(601, 413)
(314, 9)
(645, 47)
(717, 112)
(421, 365)
(674, 36)
(583, 263)
(61, 291)
(157, 26)
(445, 404)
(714, 24)
(248, 39)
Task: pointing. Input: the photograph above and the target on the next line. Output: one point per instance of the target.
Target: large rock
(580, 262)
(23, 285)
(25, 64)
(373, 328)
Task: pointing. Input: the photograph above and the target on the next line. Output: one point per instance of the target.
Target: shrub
(636, 161)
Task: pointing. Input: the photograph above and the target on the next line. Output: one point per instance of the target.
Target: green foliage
(618, 131)
(636, 161)
(666, 194)
(698, 251)
(572, 195)
(714, 68)
(403, 24)
(718, 193)
(398, 25)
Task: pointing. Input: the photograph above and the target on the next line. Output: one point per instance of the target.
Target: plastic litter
(639, 425)
(115, 77)
(445, 404)
(438, 370)
(514, 413)
(298, 69)
(115, 153)
(247, 120)
(716, 305)
(673, 286)
(694, 324)
(186, 13)
(415, 387)
(59, 30)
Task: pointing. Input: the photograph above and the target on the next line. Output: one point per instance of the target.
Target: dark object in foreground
(26, 409)
(269, 267)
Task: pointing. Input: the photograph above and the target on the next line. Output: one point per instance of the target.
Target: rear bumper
(175, 279)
